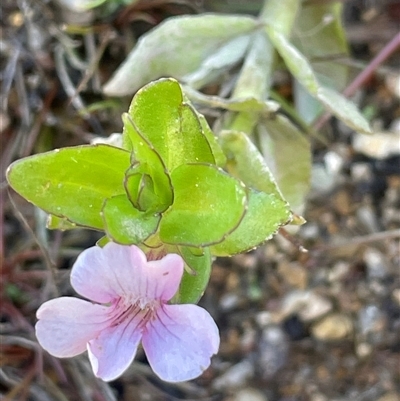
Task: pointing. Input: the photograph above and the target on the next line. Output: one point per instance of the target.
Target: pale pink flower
(130, 296)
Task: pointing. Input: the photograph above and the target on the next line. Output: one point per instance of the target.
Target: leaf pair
(165, 189)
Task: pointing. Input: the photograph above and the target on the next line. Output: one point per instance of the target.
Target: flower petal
(67, 324)
(180, 342)
(162, 278)
(113, 350)
(104, 274)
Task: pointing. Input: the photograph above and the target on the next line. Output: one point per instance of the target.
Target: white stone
(307, 304)
(379, 145)
(377, 266)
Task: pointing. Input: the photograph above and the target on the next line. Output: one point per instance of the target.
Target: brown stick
(364, 239)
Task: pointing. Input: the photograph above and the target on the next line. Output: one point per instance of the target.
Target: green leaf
(147, 162)
(169, 125)
(319, 35)
(265, 214)
(255, 76)
(217, 152)
(194, 145)
(215, 64)
(300, 67)
(344, 109)
(126, 225)
(72, 182)
(306, 105)
(154, 112)
(297, 64)
(245, 162)
(208, 205)
(179, 46)
(194, 281)
(252, 86)
(287, 152)
(140, 189)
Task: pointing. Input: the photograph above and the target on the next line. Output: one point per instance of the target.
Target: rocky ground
(321, 325)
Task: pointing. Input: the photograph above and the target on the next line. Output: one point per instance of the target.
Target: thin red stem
(364, 75)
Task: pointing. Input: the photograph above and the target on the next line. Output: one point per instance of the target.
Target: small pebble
(236, 376)
(318, 397)
(248, 338)
(339, 271)
(246, 260)
(229, 301)
(371, 324)
(396, 296)
(377, 288)
(272, 351)
(333, 327)
(395, 126)
(377, 267)
(250, 394)
(323, 181)
(265, 318)
(361, 171)
(307, 304)
(325, 176)
(333, 162)
(393, 83)
(379, 146)
(363, 350)
(371, 319)
(310, 231)
(342, 202)
(294, 274)
(367, 216)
